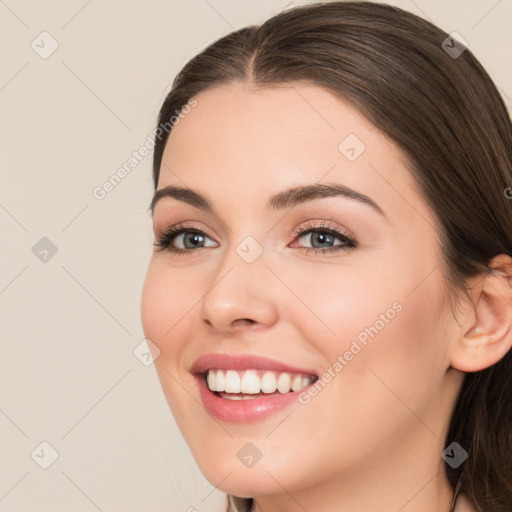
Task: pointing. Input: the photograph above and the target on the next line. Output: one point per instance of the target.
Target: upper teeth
(256, 381)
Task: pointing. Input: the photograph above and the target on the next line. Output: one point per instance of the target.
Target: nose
(239, 295)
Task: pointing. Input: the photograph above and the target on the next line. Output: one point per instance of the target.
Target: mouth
(245, 388)
(255, 383)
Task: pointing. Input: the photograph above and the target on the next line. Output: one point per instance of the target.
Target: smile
(236, 385)
(244, 388)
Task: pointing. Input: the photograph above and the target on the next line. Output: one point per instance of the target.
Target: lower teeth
(241, 396)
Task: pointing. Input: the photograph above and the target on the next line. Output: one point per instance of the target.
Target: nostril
(244, 321)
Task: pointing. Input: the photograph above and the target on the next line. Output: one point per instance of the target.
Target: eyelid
(304, 228)
(185, 225)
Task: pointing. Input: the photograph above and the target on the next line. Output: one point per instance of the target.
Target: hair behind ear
(482, 425)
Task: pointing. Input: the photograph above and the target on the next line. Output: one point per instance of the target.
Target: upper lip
(243, 362)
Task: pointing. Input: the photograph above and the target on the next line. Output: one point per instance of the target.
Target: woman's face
(360, 306)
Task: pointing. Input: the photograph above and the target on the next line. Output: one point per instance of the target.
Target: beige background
(68, 373)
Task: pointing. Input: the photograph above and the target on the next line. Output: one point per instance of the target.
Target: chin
(222, 467)
(247, 483)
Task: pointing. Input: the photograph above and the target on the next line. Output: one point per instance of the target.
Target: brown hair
(445, 113)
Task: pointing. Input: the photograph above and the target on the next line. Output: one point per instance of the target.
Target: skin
(372, 438)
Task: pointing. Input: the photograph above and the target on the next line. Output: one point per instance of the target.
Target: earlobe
(489, 337)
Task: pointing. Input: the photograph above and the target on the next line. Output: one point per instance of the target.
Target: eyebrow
(288, 198)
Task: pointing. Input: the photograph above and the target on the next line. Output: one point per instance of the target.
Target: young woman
(330, 290)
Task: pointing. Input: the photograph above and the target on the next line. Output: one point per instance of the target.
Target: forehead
(275, 118)
(253, 141)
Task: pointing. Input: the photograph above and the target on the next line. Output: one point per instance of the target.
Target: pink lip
(243, 362)
(243, 411)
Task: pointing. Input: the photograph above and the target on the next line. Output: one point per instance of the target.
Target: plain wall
(71, 320)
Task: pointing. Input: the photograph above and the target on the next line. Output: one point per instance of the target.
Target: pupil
(322, 237)
(193, 238)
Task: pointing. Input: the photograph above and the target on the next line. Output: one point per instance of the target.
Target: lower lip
(244, 411)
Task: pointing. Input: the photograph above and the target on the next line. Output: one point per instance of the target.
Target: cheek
(385, 345)
(337, 304)
(393, 362)
(168, 306)
(164, 318)
(153, 306)
(165, 305)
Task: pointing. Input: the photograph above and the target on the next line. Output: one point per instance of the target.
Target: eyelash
(163, 242)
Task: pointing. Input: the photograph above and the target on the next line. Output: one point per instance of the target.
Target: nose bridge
(246, 250)
(240, 288)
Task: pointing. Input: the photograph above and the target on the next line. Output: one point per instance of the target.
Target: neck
(421, 489)
(433, 497)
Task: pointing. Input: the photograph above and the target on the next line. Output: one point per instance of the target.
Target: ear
(486, 334)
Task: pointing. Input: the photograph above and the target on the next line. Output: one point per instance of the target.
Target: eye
(189, 237)
(324, 236)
